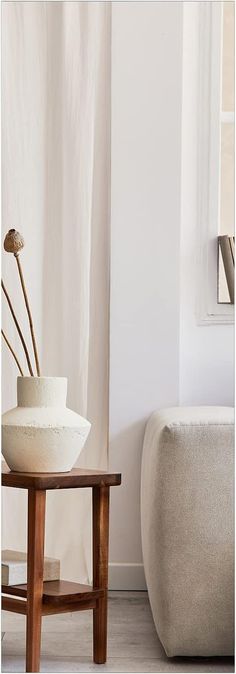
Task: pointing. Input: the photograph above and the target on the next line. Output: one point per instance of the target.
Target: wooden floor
(133, 645)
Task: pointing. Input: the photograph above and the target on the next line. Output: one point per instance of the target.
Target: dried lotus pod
(13, 242)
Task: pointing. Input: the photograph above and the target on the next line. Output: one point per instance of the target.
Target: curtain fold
(56, 191)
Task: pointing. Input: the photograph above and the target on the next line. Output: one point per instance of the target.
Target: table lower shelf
(59, 596)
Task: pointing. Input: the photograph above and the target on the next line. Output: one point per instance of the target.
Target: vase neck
(41, 391)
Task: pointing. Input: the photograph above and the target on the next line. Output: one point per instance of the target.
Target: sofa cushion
(187, 528)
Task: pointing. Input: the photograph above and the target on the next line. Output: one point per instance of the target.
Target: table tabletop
(77, 477)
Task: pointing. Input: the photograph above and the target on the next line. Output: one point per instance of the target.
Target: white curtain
(55, 191)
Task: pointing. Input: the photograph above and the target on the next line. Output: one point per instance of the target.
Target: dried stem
(18, 328)
(13, 353)
(16, 255)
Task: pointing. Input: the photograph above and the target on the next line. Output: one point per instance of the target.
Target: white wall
(159, 356)
(145, 237)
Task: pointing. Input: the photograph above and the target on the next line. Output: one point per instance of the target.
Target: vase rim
(31, 378)
(41, 391)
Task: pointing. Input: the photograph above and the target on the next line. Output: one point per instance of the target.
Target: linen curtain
(55, 191)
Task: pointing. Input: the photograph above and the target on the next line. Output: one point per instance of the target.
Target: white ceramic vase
(41, 435)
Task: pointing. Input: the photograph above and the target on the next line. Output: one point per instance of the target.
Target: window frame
(209, 144)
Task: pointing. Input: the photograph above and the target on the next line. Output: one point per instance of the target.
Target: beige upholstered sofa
(187, 528)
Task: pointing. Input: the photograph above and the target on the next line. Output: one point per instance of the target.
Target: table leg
(35, 557)
(100, 570)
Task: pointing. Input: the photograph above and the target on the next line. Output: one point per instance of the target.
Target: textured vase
(41, 435)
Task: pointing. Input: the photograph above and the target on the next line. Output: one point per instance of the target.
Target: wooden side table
(37, 598)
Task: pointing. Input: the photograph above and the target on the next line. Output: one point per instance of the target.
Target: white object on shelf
(14, 568)
(41, 435)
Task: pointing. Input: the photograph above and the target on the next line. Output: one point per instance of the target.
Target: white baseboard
(126, 577)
